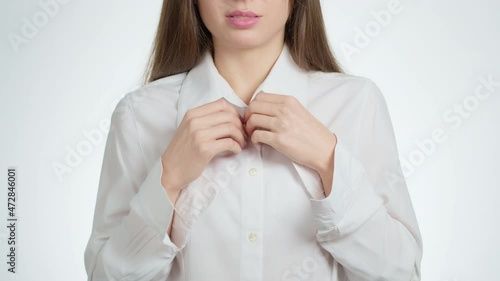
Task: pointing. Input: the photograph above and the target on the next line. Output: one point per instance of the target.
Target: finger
(226, 144)
(258, 121)
(226, 130)
(211, 107)
(260, 107)
(271, 97)
(217, 118)
(266, 137)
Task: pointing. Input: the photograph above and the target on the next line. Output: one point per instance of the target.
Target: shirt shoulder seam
(137, 131)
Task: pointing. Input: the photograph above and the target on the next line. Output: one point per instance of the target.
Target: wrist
(168, 180)
(170, 189)
(324, 163)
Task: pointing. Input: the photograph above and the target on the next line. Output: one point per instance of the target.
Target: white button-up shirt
(255, 215)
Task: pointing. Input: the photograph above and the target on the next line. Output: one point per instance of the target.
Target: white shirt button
(252, 171)
(252, 237)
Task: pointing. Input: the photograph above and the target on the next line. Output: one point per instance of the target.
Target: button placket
(252, 198)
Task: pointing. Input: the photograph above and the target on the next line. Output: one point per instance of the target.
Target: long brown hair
(182, 38)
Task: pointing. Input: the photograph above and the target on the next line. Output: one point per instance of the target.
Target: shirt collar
(204, 84)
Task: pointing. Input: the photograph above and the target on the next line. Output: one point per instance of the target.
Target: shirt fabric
(255, 215)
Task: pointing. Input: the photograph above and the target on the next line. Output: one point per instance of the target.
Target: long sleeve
(132, 213)
(367, 223)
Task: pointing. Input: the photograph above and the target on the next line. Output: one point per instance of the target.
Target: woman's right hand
(203, 132)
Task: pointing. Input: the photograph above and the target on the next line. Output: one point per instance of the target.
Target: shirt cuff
(192, 202)
(352, 198)
(152, 206)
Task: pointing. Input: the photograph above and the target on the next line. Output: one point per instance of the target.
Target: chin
(243, 43)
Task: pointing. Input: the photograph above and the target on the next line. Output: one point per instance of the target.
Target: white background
(68, 74)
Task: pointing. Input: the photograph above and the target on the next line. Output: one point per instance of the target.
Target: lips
(243, 19)
(241, 14)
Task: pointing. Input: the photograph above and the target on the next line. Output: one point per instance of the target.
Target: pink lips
(243, 19)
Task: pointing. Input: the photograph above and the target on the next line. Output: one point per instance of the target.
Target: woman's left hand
(282, 122)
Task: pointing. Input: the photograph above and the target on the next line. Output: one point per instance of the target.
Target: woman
(249, 155)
